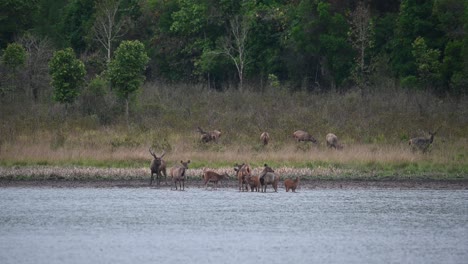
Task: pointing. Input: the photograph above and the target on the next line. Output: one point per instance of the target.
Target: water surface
(146, 225)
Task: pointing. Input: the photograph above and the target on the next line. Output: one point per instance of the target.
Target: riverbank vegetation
(374, 128)
(375, 74)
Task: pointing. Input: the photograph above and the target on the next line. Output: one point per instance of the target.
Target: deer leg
(165, 176)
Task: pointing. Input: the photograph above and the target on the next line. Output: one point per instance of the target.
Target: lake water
(146, 225)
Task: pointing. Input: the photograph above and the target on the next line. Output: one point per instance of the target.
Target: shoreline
(305, 184)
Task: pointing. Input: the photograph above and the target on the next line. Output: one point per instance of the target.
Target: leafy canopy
(67, 76)
(14, 56)
(126, 70)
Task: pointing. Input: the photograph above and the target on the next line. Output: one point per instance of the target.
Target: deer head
(156, 157)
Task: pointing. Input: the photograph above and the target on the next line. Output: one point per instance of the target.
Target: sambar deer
(265, 138)
(242, 172)
(332, 141)
(268, 176)
(209, 136)
(178, 174)
(211, 176)
(422, 143)
(158, 167)
(290, 184)
(253, 182)
(301, 135)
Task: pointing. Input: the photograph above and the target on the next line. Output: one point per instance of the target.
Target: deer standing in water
(242, 172)
(178, 174)
(211, 176)
(158, 167)
(290, 184)
(268, 176)
(253, 182)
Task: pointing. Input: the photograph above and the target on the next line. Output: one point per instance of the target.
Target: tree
(427, 63)
(318, 42)
(235, 45)
(414, 20)
(35, 75)
(13, 58)
(77, 23)
(108, 27)
(361, 35)
(126, 70)
(15, 17)
(67, 76)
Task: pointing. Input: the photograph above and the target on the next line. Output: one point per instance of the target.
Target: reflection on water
(143, 225)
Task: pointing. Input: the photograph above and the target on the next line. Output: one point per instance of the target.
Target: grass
(374, 127)
(359, 161)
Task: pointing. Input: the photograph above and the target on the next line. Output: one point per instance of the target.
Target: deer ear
(181, 161)
(188, 161)
(265, 165)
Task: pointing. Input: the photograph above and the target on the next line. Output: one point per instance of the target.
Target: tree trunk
(126, 111)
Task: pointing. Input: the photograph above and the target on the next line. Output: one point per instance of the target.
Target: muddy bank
(305, 184)
(69, 177)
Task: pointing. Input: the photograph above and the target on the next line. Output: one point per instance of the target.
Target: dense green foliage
(127, 68)
(305, 44)
(14, 56)
(67, 76)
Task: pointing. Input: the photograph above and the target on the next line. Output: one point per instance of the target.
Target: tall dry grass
(374, 126)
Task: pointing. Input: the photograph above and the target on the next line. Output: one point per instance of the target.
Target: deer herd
(246, 180)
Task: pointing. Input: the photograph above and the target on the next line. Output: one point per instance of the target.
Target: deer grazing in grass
(422, 143)
(268, 176)
(242, 172)
(265, 138)
(301, 135)
(209, 136)
(158, 167)
(211, 176)
(178, 174)
(332, 141)
(290, 184)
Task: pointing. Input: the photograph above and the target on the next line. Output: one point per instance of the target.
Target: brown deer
(290, 184)
(215, 135)
(253, 182)
(211, 176)
(268, 176)
(422, 143)
(209, 136)
(178, 174)
(301, 135)
(332, 141)
(265, 138)
(242, 172)
(158, 167)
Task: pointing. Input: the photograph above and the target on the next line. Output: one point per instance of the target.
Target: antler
(201, 130)
(152, 153)
(162, 155)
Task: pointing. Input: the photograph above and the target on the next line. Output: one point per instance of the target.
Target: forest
(81, 79)
(310, 45)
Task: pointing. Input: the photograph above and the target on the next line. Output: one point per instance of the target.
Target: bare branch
(108, 27)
